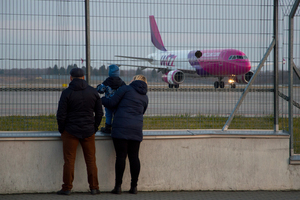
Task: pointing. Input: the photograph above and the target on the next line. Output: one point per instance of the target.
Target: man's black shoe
(64, 192)
(93, 192)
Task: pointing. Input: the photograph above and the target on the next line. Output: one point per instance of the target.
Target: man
(79, 115)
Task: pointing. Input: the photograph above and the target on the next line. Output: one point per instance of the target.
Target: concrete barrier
(170, 160)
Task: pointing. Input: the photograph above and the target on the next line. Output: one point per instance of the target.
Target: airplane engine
(175, 77)
(245, 78)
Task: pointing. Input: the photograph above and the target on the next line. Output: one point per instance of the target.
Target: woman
(131, 103)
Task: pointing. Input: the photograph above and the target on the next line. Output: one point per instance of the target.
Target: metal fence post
(87, 40)
(276, 98)
(291, 66)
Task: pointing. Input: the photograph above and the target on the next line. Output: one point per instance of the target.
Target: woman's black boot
(133, 190)
(117, 190)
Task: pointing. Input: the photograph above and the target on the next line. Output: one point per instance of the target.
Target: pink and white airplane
(175, 64)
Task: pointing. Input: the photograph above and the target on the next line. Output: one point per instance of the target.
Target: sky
(40, 34)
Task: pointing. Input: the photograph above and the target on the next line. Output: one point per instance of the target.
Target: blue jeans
(108, 116)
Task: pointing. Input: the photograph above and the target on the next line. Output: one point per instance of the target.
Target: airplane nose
(248, 66)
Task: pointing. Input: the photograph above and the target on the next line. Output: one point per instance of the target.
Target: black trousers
(124, 148)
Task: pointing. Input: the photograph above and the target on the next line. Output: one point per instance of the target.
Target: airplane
(174, 65)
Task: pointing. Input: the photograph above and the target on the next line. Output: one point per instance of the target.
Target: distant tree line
(101, 71)
(55, 70)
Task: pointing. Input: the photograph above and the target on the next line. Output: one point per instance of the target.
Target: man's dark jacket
(131, 103)
(79, 110)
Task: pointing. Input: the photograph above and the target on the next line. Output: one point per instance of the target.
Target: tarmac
(174, 195)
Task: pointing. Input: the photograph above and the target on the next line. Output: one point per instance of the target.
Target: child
(109, 87)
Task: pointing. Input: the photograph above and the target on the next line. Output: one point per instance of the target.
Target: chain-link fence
(213, 49)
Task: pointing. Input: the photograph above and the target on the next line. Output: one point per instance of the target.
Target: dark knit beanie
(77, 72)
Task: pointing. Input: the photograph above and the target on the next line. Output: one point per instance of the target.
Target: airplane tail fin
(155, 35)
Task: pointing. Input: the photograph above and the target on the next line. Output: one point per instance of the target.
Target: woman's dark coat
(131, 103)
(79, 110)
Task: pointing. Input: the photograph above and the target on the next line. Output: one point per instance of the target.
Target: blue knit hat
(113, 71)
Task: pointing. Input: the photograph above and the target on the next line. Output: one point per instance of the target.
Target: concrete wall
(169, 161)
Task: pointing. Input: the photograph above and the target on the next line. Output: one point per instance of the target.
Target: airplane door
(221, 59)
(221, 63)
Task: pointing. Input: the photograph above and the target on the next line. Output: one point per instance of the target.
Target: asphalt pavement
(175, 195)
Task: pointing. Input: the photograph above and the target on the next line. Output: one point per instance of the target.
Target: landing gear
(222, 84)
(175, 86)
(232, 85)
(218, 84)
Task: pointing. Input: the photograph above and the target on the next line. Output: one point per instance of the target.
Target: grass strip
(48, 123)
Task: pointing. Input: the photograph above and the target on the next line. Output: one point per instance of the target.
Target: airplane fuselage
(219, 63)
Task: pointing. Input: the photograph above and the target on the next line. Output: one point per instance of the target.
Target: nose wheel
(232, 85)
(175, 86)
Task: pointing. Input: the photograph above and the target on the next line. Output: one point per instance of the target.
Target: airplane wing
(138, 58)
(163, 69)
(140, 66)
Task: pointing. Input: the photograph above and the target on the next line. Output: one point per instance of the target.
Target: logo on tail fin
(155, 35)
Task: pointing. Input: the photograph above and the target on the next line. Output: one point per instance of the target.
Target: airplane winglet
(155, 35)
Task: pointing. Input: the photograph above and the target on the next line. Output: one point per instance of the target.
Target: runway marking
(287, 99)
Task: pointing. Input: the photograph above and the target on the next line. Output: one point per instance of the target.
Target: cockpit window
(233, 57)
